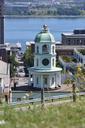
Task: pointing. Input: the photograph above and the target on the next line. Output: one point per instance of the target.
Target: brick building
(75, 38)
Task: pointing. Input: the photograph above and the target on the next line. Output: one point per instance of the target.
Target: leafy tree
(80, 75)
(28, 57)
(68, 81)
(78, 78)
(13, 65)
(68, 11)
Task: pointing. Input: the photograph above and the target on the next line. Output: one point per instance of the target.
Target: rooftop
(67, 33)
(42, 70)
(76, 32)
(44, 36)
(69, 47)
(73, 35)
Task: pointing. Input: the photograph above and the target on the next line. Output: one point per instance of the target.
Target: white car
(21, 73)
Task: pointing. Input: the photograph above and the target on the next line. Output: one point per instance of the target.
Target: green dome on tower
(44, 36)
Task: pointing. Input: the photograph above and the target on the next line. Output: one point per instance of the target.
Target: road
(21, 81)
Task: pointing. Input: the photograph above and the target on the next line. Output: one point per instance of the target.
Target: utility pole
(1, 21)
(74, 92)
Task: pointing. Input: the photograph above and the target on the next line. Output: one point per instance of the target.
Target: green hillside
(69, 115)
(45, 7)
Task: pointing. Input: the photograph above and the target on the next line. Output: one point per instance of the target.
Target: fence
(46, 98)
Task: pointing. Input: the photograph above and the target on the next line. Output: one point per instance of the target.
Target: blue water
(25, 29)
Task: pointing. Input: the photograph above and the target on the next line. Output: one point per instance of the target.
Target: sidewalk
(65, 88)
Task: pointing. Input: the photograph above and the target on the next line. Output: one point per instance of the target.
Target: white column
(59, 78)
(56, 80)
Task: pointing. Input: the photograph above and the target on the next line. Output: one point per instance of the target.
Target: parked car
(26, 72)
(21, 73)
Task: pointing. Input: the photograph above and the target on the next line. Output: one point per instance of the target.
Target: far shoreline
(46, 16)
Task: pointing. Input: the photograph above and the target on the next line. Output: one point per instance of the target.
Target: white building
(45, 73)
(4, 78)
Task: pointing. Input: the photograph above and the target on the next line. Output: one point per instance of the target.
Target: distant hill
(45, 7)
(46, 0)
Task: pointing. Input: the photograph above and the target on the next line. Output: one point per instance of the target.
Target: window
(53, 49)
(37, 63)
(37, 81)
(44, 49)
(45, 80)
(37, 49)
(80, 41)
(52, 80)
(77, 41)
(69, 40)
(53, 62)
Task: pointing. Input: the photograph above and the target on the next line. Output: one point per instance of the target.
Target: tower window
(53, 62)
(37, 49)
(53, 49)
(44, 49)
(37, 62)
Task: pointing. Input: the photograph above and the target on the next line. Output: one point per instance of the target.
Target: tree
(28, 57)
(13, 65)
(80, 75)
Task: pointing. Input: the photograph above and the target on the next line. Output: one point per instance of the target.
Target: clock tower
(45, 73)
(45, 56)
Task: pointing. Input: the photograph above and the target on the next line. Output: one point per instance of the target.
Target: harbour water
(25, 29)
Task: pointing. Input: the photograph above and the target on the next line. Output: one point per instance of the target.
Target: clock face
(45, 62)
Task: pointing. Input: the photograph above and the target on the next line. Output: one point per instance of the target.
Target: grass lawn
(69, 59)
(82, 52)
(69, 115)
